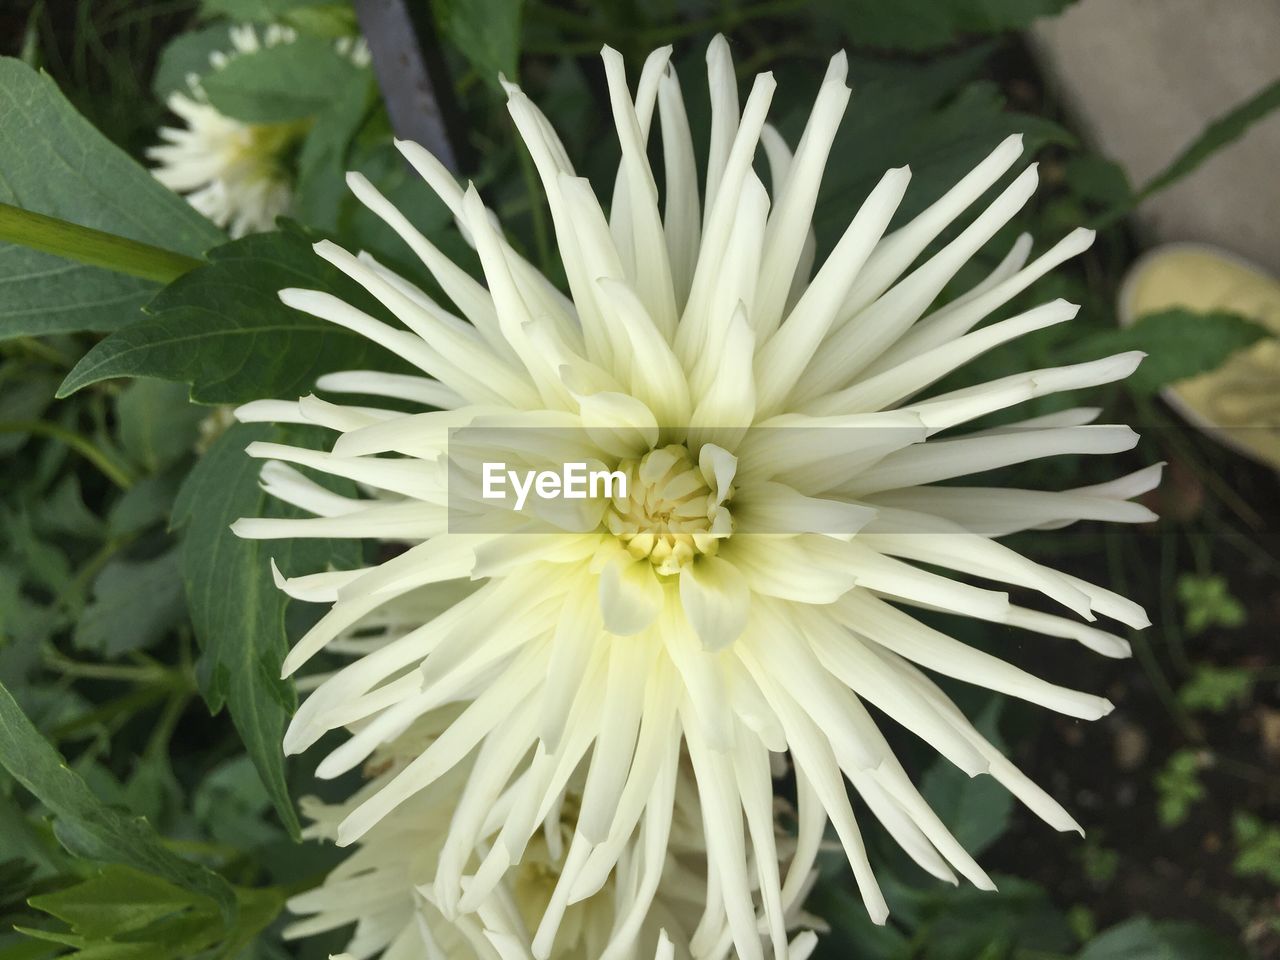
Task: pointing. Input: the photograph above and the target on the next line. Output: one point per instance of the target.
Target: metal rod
(410, 71)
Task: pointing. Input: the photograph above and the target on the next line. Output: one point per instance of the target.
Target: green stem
(85, 575)
(94, 247)
(42, 351)
(1145, 655)
(1172, 622)
(162, 732)
(126, 706)
(104, 671)
(1245, 771)
(112, 471)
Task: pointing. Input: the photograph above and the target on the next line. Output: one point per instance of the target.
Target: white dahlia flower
(386, 888)
(790, 504)
(232, 172)
(235, 173)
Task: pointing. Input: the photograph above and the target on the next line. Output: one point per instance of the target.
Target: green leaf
(1095, 178)
(1221, 132)
(118, 900)
(290, 81)
(1216, 688)
(323, 20)
(63, 511)
(135, 604)
(322, 162)
(1208, 602)
(223, 329)
(1178, 787)
(927, 24)
(1142, 939)
(145, 504)
(84, 825)
(1178, 343)
(57, 164)
(157, 425)
(186, 54)
(975, 809)
(486, 32)
(124, 914)
(27, 839)
(964, 923)
(244, 641)
(231, 805)
(1258, 844)
(261, 11)
(852, 933)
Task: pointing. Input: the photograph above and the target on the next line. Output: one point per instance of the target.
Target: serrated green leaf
(1142, 939)
(283, 83)
(486, 32)
(244, 642)
(157, 425)
(144, 504)
(135, 604)
(123, 914)
(57, 164)
(233, 807)
(975, 809)
(928, 24)
(322, 161)
(1178, 343)
(117, 900)
(84, 825)
(222, 328)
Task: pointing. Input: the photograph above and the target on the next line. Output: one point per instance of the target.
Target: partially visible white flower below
(793, 505)
(394, 886)
(232, 172)
(235, 173)
(355, 49)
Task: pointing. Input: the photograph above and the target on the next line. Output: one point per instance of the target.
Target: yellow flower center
(671, 512)
(265, 148)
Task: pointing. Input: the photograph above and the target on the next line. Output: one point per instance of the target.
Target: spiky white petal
(414, 886)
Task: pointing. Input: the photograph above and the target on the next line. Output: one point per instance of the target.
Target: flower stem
(124, 673)
(93, 247)
(111, 470)
(42, 351)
